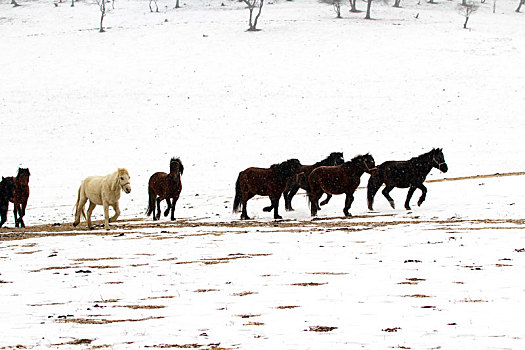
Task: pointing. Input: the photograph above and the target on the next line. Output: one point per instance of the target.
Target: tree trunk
(465, 24)
(519, 6)
(368, 6)
(102, 14)
(72, 3)
(397, 3)
(352, 6)
(15, 4)
(337, 8)
(177, 4)
(258, 15)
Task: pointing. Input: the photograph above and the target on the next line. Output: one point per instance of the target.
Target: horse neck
(424, 163)
(354, 168)
(21, 180)
(325, 162)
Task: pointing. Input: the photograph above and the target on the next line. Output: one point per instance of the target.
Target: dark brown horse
(264, 182)
(301, 181)
(165, 186)
(7, 187)
(21, 195)
(340, 179)
(403, 174)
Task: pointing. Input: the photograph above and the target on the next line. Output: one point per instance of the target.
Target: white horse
(101, 190)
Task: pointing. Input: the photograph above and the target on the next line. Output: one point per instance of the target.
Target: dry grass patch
(328, 273)
(103, 320)
(248, 315)
(416, 296)
(76, 342)
(284, 307)
(161, 297)
(141, 307)
(254, 324)
(472, 301)
(320, 329)
(206, 290)
(96, 259)
(242, 294)
(309, 284)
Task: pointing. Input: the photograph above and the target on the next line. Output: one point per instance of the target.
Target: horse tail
(78, 203)
(238, 196)
(150, 205)
(374, 183)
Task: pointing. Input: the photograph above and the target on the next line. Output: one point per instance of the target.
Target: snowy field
(191, 82)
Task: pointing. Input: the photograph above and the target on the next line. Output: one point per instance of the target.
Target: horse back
(162, 185)
(260, 181)
(400, 174)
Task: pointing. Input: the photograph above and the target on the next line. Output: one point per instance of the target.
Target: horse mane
(354, 160)
(176, 165)
(426, 156)
(283, 170)
(328, 160)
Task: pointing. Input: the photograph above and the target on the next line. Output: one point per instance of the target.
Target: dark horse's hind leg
(268, 208)
(328, 197)
(409, 196)
(244, 213)
(423, 195)
(16, 212)
(158, 208)
(3, 213)
(386, 193)
(167, 211)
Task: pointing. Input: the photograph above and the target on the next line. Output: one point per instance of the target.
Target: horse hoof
(278, 217)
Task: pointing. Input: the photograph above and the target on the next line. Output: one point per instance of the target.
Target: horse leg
(374, 183)
(15, 212)
(275, 205)
(117, 212)
(3, 213)
(167, 211)
(314, 202)
(244, 214)
(106, 215)
(88, 214)
(268, 208)
(22, 213)
(423, 195)
(173, 208)
(409, 196)
(386, 193)
(158, 208)
(348, 203)
(288, 195)
(328, 197)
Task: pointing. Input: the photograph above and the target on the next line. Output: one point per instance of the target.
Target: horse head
(368, 163)
(123, 180)
(438, 160)
(23, 175)
(7, 187)
(336, 158)
(176, 166)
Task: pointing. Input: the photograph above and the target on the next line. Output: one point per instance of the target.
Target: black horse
(403, 174)
(7, 187)
(301, 181)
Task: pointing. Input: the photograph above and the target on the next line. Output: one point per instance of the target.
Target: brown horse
(21, 195)
(264, 182)
(340, 179)
(165, 186)
(301, 181)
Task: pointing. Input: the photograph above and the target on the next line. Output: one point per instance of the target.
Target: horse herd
(332, 176)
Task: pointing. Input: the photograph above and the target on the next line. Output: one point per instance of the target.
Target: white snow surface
(191, 82)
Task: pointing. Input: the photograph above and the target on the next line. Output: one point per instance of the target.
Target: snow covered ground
(190, 82)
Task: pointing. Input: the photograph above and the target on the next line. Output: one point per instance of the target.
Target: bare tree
(467, 8)
(368, 7)
(102, 7)
(522, 2)
(336, 5)
(154, 1)
(253, 4)
(353, 7)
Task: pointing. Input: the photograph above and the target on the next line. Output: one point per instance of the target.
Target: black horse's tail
(238, 196)
(374, 183)
(151, 205)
